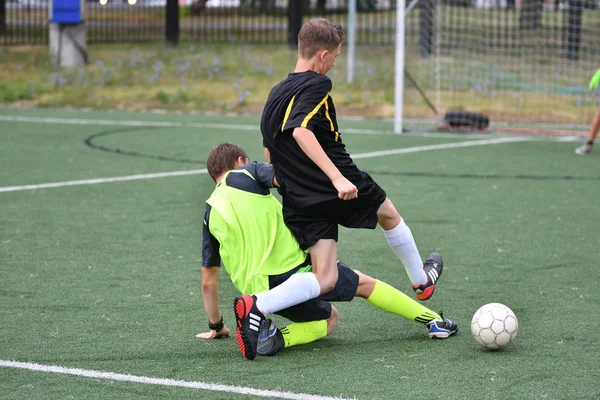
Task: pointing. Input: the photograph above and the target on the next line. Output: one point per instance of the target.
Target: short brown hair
(223, 158)
(317, 34)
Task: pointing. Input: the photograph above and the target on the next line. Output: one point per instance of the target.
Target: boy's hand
(595, 80)
(346, 189)
(214, 334)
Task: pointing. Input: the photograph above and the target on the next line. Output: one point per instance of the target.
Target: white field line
(204, 171)
(568, 139)
(159, 124)
(442, 146)
(103, 180)
(164, 382)
(205, 125)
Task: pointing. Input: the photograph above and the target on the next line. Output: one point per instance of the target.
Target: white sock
(403, 244)
(297, 289)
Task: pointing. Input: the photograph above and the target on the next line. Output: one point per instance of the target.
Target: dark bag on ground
(466, 119)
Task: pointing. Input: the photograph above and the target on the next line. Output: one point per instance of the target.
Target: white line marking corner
(164, 382)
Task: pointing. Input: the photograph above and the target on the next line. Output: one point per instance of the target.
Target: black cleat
(248, 318)
(433, 267)
(442, 329)
(270, 339)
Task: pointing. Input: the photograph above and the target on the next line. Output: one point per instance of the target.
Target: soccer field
(100, 257)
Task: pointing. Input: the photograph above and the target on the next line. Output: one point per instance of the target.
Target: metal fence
(464, 22)
(249, 21)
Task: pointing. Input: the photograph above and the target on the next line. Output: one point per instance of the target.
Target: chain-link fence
(248, 21)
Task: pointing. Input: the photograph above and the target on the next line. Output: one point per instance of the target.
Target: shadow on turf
(228, 351)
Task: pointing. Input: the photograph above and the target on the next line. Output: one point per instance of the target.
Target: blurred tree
(267, 6)
(321, 6)
(458, 3)
(264, 6)
(305, 6)
(197, 7)
(366, 5)
(530, 17)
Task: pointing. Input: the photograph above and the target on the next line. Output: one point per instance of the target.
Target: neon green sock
(304, 332)
(391, 300)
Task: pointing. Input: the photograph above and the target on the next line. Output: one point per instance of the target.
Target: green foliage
(11, 92)
(184, 11)
(214, 78)
(162, 97)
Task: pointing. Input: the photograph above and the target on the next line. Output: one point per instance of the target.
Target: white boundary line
(245, 127)
(164, 382)
(352, 118)
(103, 180)
(442, 146)
(159, 124)
(204, 171)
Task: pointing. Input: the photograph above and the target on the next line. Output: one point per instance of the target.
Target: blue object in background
(66, 11)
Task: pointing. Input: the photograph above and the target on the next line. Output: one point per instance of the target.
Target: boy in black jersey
(320, 184)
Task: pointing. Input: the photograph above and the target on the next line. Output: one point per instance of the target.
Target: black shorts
(320, 307)
(321, 220)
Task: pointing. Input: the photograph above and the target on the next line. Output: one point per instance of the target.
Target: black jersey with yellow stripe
(304, 100)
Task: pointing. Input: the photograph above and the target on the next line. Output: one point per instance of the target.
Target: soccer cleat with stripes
(433, 267)
(441, 329)
(270, 339)
(248, 318)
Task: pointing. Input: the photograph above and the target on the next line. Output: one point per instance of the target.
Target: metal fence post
(294, 22)
(2, 16)
(574, 20)
(172, 22)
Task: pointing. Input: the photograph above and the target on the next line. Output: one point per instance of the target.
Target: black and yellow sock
(304, 332)
(390, 299)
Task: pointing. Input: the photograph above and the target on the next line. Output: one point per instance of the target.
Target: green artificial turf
(106, 277)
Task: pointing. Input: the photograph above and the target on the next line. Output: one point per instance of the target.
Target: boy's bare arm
(268, 158)
(310, 145)
(210, 295)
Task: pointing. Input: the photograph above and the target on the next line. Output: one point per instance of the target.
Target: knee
(324, 262)
(327, 286)
(332, 321)
(387, 215)
(327, 279)
(366, 285)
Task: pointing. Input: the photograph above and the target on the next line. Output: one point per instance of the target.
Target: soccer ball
(494, 326)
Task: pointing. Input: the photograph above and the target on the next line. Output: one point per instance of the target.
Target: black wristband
(216, 326)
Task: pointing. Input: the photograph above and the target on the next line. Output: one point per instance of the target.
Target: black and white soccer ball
(494, 326)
